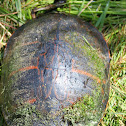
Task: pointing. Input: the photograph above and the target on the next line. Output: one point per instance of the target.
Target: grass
(109, 16)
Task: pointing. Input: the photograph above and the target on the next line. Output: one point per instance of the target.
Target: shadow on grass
(2, 121)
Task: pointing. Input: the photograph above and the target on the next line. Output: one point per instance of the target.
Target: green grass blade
(81, 7)
(88, 43)
(101, 20)
(12, 16)
(18, 7)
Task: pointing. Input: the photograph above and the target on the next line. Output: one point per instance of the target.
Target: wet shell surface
(55, 72)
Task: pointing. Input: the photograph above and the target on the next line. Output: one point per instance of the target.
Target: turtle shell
(55, 73)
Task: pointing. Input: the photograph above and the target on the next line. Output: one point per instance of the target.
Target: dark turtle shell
(55, 73)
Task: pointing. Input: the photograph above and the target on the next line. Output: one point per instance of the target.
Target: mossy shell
(55, 72)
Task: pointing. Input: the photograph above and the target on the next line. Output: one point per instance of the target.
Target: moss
(83, 112)
(82, 47)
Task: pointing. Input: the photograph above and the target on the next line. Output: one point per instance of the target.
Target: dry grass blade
(5, 30)
(85, 7)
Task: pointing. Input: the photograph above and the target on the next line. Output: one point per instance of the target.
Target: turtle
(55, 72)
